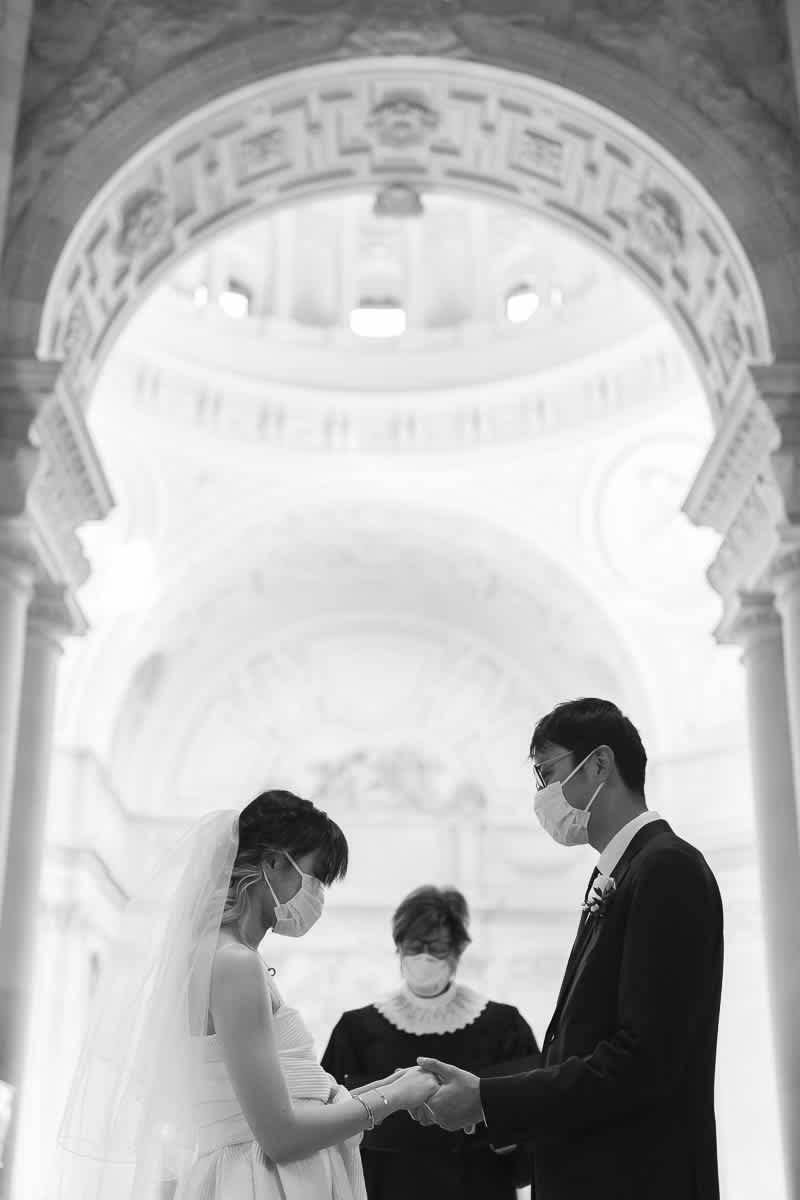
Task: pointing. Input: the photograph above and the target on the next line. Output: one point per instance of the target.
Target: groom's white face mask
(566, 825)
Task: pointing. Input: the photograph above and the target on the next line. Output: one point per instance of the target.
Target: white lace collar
(456, 1008)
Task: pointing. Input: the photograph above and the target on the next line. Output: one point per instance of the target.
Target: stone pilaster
(757, 630)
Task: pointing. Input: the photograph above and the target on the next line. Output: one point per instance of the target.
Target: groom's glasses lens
(541, 782)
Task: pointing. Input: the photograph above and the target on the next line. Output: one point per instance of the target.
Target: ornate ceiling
(451, 265)
(351, 597)
(285, 368)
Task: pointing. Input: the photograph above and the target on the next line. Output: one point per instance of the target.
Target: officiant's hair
(428, 908)
(582, 725)
(278, 820)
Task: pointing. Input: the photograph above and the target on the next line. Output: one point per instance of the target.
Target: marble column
(25, 385)
(786, 581)
(47, 624)
(17, 573)
(758, 631)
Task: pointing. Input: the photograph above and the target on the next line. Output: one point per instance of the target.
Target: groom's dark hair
(582, 725)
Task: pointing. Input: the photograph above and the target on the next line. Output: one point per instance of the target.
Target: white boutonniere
(601, 895)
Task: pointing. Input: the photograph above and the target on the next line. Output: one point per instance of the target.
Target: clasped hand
(436, 1093)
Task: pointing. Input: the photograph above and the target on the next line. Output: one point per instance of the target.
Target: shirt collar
(621, 840)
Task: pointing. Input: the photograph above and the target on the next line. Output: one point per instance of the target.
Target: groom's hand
(457, 1102)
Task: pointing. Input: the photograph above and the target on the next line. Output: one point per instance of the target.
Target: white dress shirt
(621, 840)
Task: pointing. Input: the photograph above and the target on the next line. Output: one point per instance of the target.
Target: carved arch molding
(402, 96)
(398, 126)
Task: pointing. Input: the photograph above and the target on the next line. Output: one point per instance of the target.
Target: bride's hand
(380, 1083)
(412, 1088)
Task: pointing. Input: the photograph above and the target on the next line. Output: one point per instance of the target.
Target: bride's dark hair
(278, 820)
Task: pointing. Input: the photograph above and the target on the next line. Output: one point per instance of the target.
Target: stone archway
(502, 109)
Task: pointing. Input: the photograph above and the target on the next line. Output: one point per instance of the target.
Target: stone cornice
(69, 489)
(737, 456)
(779, 386)
(750, 542)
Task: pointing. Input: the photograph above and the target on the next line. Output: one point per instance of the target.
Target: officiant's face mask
(426, 975)
(566, 825)
(295, 917)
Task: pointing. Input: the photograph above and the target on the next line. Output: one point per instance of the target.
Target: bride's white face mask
(295, 917)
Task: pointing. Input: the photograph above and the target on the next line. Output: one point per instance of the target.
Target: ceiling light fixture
(235, 301)
(378, 319)
(521, 303)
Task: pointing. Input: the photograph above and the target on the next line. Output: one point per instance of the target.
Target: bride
(198, 1081)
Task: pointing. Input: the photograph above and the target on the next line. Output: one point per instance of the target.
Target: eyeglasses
(438, 949)
(541, 782)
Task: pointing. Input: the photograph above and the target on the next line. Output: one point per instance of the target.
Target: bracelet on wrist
(368, 1111)
(378, 1092)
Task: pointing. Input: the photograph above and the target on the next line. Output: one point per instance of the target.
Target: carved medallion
(144, 219)
(659, 221)
(402, 119)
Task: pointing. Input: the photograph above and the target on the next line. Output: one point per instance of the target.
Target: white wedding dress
(232, 1166)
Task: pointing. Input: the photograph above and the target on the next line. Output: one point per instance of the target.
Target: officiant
(431, 1013)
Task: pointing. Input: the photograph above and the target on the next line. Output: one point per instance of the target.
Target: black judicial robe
(406, 1161)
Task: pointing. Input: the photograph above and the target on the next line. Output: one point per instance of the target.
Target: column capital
(785, 571)
(51, 618)
(19, 562)
(751, 618)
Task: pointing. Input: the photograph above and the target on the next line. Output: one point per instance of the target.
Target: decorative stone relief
(559, 159)
(144, 218)
(402, 119)
(398, 200)
(659, 220)
(737, 457)
(69, 489)
(749, 543)
(85, 60)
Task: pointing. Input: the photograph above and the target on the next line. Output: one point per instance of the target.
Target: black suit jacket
(623, 1106)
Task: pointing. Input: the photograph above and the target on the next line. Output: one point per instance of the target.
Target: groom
(622, 1107)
